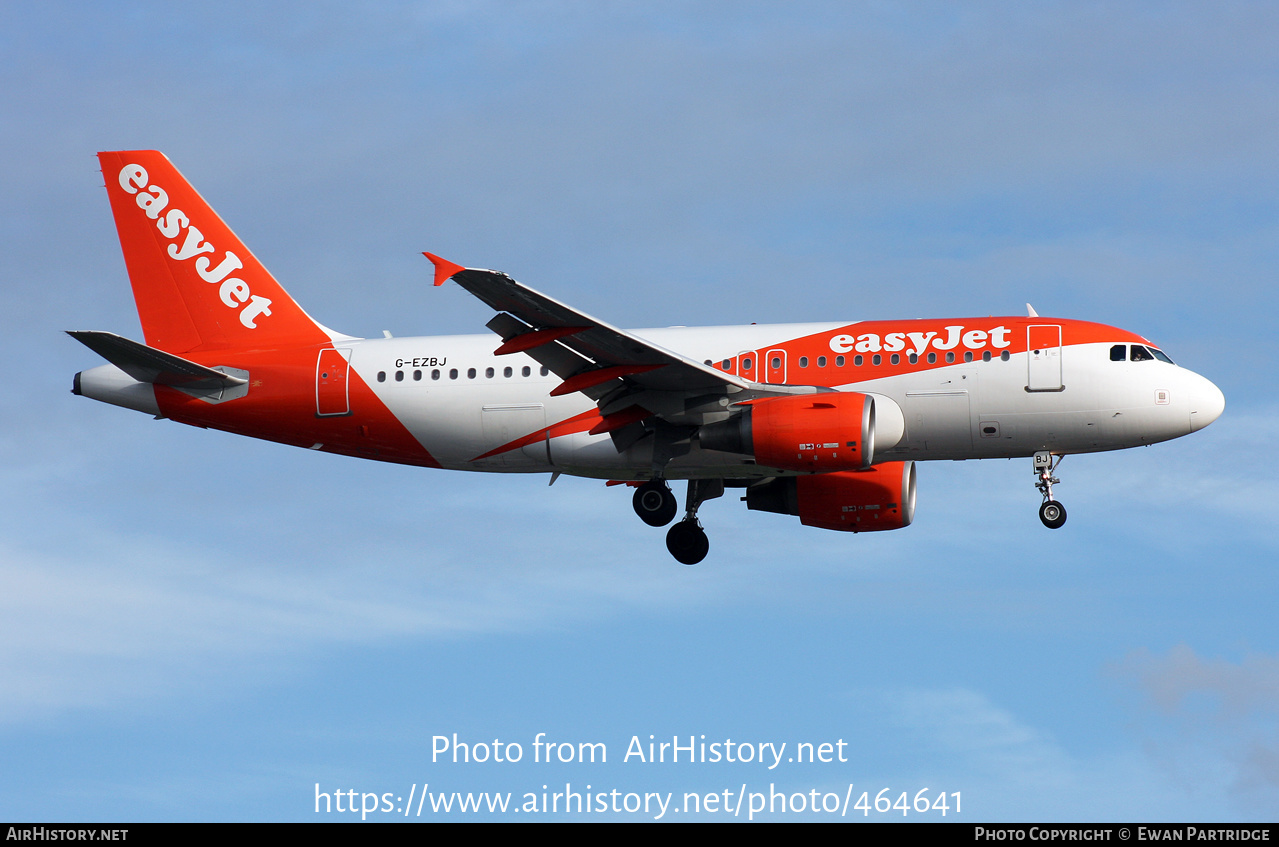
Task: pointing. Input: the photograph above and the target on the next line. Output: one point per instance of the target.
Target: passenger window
(470, 373)
(950, 357)
(857, 360)
(727, 363)
(1119, 353)
(435, 374)
(746, 364)
(803, 362)
(399, 376)
(526, 371)
(381, 376)
(985, 355)
(913, 358)
(932, 358)
(896, 360)
(488, 373)
(417, 376)
(876, 359)
(968, 356)
(775, 363)
(545, 370)
(452, 373)
(839, 361)
(507, 372)
(1004, 356)
(821, 361)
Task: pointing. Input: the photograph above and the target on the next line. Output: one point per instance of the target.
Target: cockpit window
(1140, 353)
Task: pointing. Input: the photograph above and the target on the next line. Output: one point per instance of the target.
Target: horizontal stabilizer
(147, 364)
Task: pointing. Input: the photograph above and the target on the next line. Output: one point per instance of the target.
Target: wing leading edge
(639, 386)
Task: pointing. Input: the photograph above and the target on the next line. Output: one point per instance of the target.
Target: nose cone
(1206, 403)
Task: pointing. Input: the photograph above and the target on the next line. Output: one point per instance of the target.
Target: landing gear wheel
(1053, 514)
(655, 503)
(687, 542)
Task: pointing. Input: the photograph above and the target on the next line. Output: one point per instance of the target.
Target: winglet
(444, 269)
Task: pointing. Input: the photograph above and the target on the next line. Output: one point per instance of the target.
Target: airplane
(822, 421)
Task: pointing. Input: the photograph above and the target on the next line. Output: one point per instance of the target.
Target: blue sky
(200, 627)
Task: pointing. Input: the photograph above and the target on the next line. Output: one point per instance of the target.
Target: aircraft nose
(1207, 403)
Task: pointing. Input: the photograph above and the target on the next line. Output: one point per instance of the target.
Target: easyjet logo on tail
(234, 292)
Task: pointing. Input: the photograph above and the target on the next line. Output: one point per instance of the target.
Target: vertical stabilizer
(196, 285)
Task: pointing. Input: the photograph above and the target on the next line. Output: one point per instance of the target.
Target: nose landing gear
(1052, 512)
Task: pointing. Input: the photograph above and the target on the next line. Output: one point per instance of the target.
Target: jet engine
(817, 433)
(882, 497)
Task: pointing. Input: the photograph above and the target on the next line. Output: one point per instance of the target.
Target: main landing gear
(654, 503)
(687, 540)
(1052, 513)
(656, 506)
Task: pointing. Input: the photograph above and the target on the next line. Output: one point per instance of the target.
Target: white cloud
(1202, 716)
(1211, 478)
(1009, 767)
(175, 593)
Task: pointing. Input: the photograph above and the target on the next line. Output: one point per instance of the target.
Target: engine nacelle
(882, 497)
(818, 433)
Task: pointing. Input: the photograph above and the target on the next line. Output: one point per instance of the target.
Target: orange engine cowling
(882, 497)
(818, 433)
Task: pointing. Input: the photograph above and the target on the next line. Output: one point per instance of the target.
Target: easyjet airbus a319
(823, 421)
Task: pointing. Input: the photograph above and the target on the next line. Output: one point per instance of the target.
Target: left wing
(630, 378)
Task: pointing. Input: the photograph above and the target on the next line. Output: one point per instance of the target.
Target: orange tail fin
(196, 285)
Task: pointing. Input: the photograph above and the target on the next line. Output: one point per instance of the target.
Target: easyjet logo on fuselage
(234, 292)
(973, 339)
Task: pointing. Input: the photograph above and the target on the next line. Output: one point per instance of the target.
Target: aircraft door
(940, 413)
(332, 397)
(774, 366)
(1043, 354)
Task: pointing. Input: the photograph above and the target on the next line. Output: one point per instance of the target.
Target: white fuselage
(460, 401)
